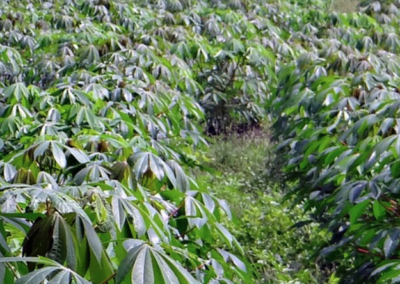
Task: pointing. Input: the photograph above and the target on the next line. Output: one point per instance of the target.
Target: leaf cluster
(336, 110)
(100, 104)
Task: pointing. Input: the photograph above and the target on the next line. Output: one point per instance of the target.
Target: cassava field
(196, 141)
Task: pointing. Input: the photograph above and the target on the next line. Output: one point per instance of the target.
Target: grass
(248, 177)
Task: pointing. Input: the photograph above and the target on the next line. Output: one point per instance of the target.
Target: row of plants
(100, 107)
(335, 110)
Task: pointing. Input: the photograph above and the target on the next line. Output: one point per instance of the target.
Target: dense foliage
(100, 102)
(100, 107)
(336, 109)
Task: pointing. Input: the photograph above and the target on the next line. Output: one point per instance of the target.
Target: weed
(251, 184)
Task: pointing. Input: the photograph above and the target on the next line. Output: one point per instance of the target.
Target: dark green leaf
(391, 242)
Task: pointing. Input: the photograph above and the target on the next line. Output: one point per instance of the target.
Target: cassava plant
(100, 106)
(336, 112)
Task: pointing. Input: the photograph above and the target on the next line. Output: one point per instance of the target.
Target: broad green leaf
(142, 271)
(37, 276)
(391, 242)
(156, 166)
(92, 239)
(127, 264)
(181, 273)
(79, 155)
(40, 149)
(118, 212)
(58, 248)
(60, 278)
(379, 210)
(357, 211)
(59, 155)
(141, 164)
(356, 191)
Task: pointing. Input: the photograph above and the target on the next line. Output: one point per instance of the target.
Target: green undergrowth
(247, 176)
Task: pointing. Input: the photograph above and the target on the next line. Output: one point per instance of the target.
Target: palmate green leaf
(38, 276)
(51, 237)
(9, 172)
(361, 125)
(9, 205)
(139, 222)
(169, 265)
(87, 115)
(182, 182)
(11, 124)
(127, 264)
(151, 265)
(18, 90)
(224, 233)
(99, 92)
(208, 201)
(60, 278)
(59, 200)
(231, 257)
(148, 161)
(45, 178)
(92, 173)
(133, 247)
(223, 204)
(158, 230)
(143, 268)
